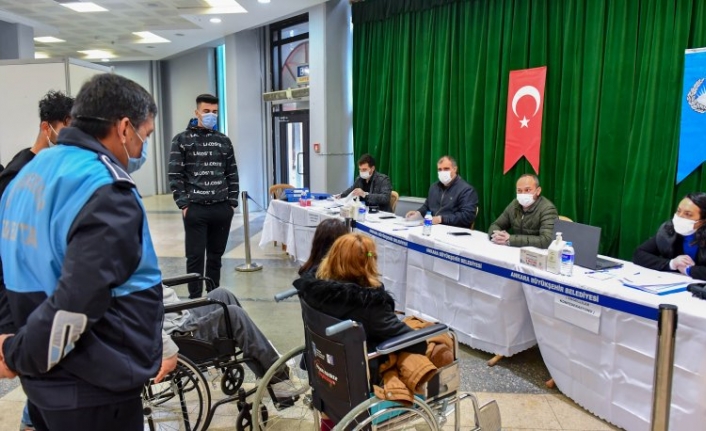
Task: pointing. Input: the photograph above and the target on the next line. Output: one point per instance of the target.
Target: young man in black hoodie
(203, 177)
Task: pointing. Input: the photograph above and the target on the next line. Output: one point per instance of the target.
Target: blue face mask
(209, 120)
(134, 164)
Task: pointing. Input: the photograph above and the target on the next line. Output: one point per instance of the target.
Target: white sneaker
(287, 389)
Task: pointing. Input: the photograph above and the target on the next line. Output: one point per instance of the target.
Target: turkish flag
(523, 127)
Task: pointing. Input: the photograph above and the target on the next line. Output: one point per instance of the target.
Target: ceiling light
(40, 55)
(263, 1)
(149, 37)
(84, 7)
(224, 6)
(48, 39)
(215, 20)
(105, 60)
(97, 53)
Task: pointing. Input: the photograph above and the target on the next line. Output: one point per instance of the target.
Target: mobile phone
(386, 217)
(459, 233)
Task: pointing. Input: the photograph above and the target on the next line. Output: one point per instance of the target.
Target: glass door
(291, 148)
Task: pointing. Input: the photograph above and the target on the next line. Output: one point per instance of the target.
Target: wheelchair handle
(286, 294)
(340, 327)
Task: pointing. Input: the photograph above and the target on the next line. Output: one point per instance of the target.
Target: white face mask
(365, 174)
(683, 226)
(445, 177)
(51, 144)
(525, 199)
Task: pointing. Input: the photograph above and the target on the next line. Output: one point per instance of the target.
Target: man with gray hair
(451, 200)
(530, 217)
(81, 274)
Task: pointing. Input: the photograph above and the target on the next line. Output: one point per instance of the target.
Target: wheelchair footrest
(489, 417)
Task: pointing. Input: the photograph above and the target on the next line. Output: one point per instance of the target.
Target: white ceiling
(184, 22)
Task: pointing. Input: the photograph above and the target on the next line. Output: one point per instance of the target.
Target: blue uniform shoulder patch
(120, 177)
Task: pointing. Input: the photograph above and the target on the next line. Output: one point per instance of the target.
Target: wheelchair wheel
(286, 413)
(232, 379)
(180, 402)
(387, 415)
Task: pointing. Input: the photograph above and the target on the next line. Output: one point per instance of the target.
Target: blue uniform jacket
(82, 278)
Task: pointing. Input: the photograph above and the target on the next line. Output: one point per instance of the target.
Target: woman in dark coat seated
(347, 286)
(680, 244)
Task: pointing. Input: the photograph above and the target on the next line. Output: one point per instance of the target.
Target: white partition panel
(22, 84)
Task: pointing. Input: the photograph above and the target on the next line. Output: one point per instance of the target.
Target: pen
(402, 228)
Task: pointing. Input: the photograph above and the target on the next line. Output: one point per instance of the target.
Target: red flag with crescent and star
(523, 129)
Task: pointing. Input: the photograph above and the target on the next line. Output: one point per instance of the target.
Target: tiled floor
(517, 382)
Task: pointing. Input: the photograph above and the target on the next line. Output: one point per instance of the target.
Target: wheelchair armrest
(410, 338)
(188, 278)
(188, 304)
(286, 294)
(201, 302)
(181, 279)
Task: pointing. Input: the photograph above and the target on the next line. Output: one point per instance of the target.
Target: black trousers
(124, 416)
(207, 228)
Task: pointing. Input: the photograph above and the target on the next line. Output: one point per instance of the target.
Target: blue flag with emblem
(692, 135)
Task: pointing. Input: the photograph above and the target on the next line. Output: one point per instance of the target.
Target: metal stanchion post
(664, 367)
(248, 266)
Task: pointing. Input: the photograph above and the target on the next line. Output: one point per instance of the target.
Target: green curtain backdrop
(430, 78)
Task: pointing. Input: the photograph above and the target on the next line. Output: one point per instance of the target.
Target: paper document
(409, 223)
(656, 282)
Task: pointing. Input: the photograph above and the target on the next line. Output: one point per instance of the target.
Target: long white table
(597, 337)
(598, 340)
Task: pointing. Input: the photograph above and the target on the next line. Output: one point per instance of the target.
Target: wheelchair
(184, 400)
(333, 369)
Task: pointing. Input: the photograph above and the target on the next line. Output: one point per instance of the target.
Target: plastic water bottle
(362, 211)
(567, 259)
(427, 224)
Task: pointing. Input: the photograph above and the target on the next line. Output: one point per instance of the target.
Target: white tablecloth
(487, 312)
(602, 356)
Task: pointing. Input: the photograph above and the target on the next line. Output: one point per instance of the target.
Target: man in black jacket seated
(371, 186)
(451, 200)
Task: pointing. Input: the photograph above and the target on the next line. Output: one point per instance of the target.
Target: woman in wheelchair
(347, 286)
(208, 323)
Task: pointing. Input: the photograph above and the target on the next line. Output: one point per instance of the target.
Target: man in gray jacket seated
(371, 186)
(530, 217)
(451, 200)
(208, 322)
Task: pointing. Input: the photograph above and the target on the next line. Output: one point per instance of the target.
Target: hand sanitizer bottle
(554, 254)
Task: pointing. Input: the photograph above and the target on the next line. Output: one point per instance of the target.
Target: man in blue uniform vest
(80, 270)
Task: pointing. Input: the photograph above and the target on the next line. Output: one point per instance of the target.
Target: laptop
(585, 240)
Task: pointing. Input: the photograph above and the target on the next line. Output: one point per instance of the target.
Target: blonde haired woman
(347, 286)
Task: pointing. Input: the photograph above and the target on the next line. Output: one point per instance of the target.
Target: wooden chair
(277, 190)
(473, 224)
(565, 218)
(394, 197)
